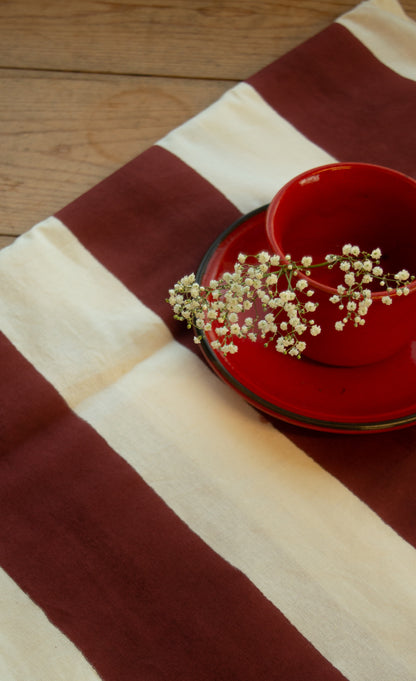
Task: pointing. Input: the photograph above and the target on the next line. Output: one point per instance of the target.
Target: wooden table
(86, 86)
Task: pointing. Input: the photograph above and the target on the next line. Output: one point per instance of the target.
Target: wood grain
(6, 241)
(85, 85)
(63, 133)
(193, 38)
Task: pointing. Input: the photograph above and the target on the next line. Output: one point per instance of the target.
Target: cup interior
(370, 206)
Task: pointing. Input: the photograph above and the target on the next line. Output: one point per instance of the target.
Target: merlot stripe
(31, 647)
(149, 223)
(113, 567)
(334, 91)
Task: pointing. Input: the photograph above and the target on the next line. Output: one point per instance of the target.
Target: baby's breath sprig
(269, 298)
(362, 270)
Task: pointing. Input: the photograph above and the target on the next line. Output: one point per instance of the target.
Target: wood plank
(210, 39)
(61, 134)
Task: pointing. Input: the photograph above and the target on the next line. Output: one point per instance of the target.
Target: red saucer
(371, 398)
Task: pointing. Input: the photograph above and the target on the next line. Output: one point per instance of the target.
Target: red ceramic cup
(319, 211)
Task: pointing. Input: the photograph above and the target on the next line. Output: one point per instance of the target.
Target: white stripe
(76, 293)
(31, 647)
(244, 148)
(344, 578)
(383, 27)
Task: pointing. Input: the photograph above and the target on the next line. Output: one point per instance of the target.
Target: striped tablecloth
(153, 526)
